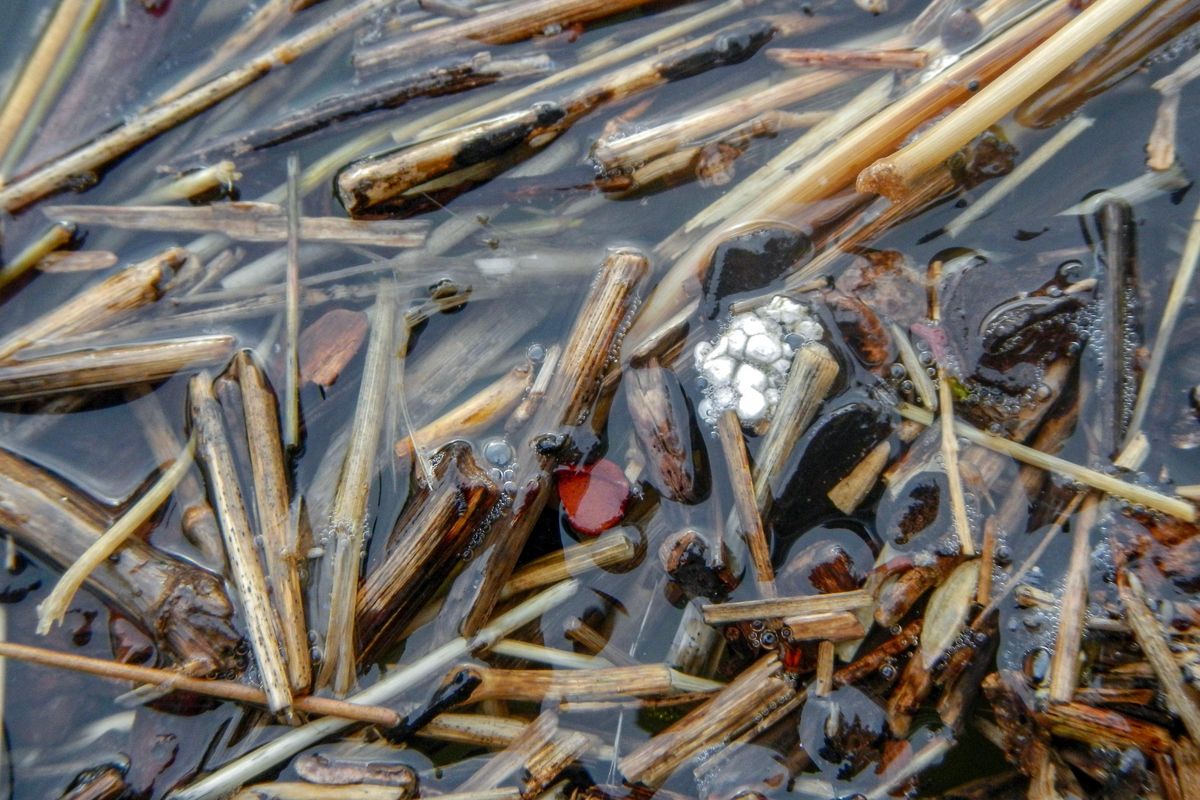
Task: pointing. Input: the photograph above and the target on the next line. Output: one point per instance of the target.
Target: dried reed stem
(159, 119)
(110, 367)
(217, 459)
(785, 607)
(1064, 664)
(745, 501)
(810, 379)
(98, 305)
(550, 656)
(1108, 484)
(54, 608)
(280, 549)
(23, 94)
(221, 175)
(608, 550)
(247, 221)
(848, 59)
(607, 683)
(177, 681)
(237, 772)
(344, 533)
(303, 790)
(57, 235)
(898, 174)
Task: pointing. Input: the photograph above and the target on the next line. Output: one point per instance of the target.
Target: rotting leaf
(947, 611)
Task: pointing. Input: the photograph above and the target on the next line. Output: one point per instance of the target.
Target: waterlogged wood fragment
(329, 344)
(67, 261)
(946, 613)
(658, 409)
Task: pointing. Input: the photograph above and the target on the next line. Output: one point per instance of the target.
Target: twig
(897, 175)
(291, 390)
(261, 759)
(737, 462)
(219, 176)
(1108, 484)
(783, 607)
(111, 367)
(343, 535)
(1160, 147)
(606, 683)
(610, 549)
(217, 459)
(280, 548)
(245, 221)
(57, 235)
(848, 59)
(177, 681)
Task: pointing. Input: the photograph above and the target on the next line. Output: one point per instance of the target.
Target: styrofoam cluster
(747, 366)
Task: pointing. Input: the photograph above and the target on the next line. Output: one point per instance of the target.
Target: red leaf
(594, 496)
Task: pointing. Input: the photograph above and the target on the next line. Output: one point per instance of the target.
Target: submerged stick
(237, 772)
(98, 305)
(1064, 664)
(178, 681)
(54, 608)
(157, 120)
(110, 367)
(605, 683)
(344, 533)
(247, 221)
(737, 462)
(281, 551)
(217, 460)
(897, 58)
(1108, 484)
(897, 175)
(291, 312)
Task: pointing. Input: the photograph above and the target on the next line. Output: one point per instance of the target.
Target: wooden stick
(178, 681)
(737, 462)
(617, 152)
(54, 608)
(344, 533)
(607, 683)
(472, 415)
(57, 235)
(217, 460)
(281, 549)
(501, 26)
(247, 221)
(237, 772)
(98, 305)
(1108, 484)
(159, 119)
(1092, 725)
(111, 367)
(610, 549)
(848, 58)
(550, 656)
(724, 716)
(897, 175)
(785, 607)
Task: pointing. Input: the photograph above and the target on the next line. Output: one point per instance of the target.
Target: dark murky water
(57, 724)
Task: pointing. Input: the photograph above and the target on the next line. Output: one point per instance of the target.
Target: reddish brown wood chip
(327, 345)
